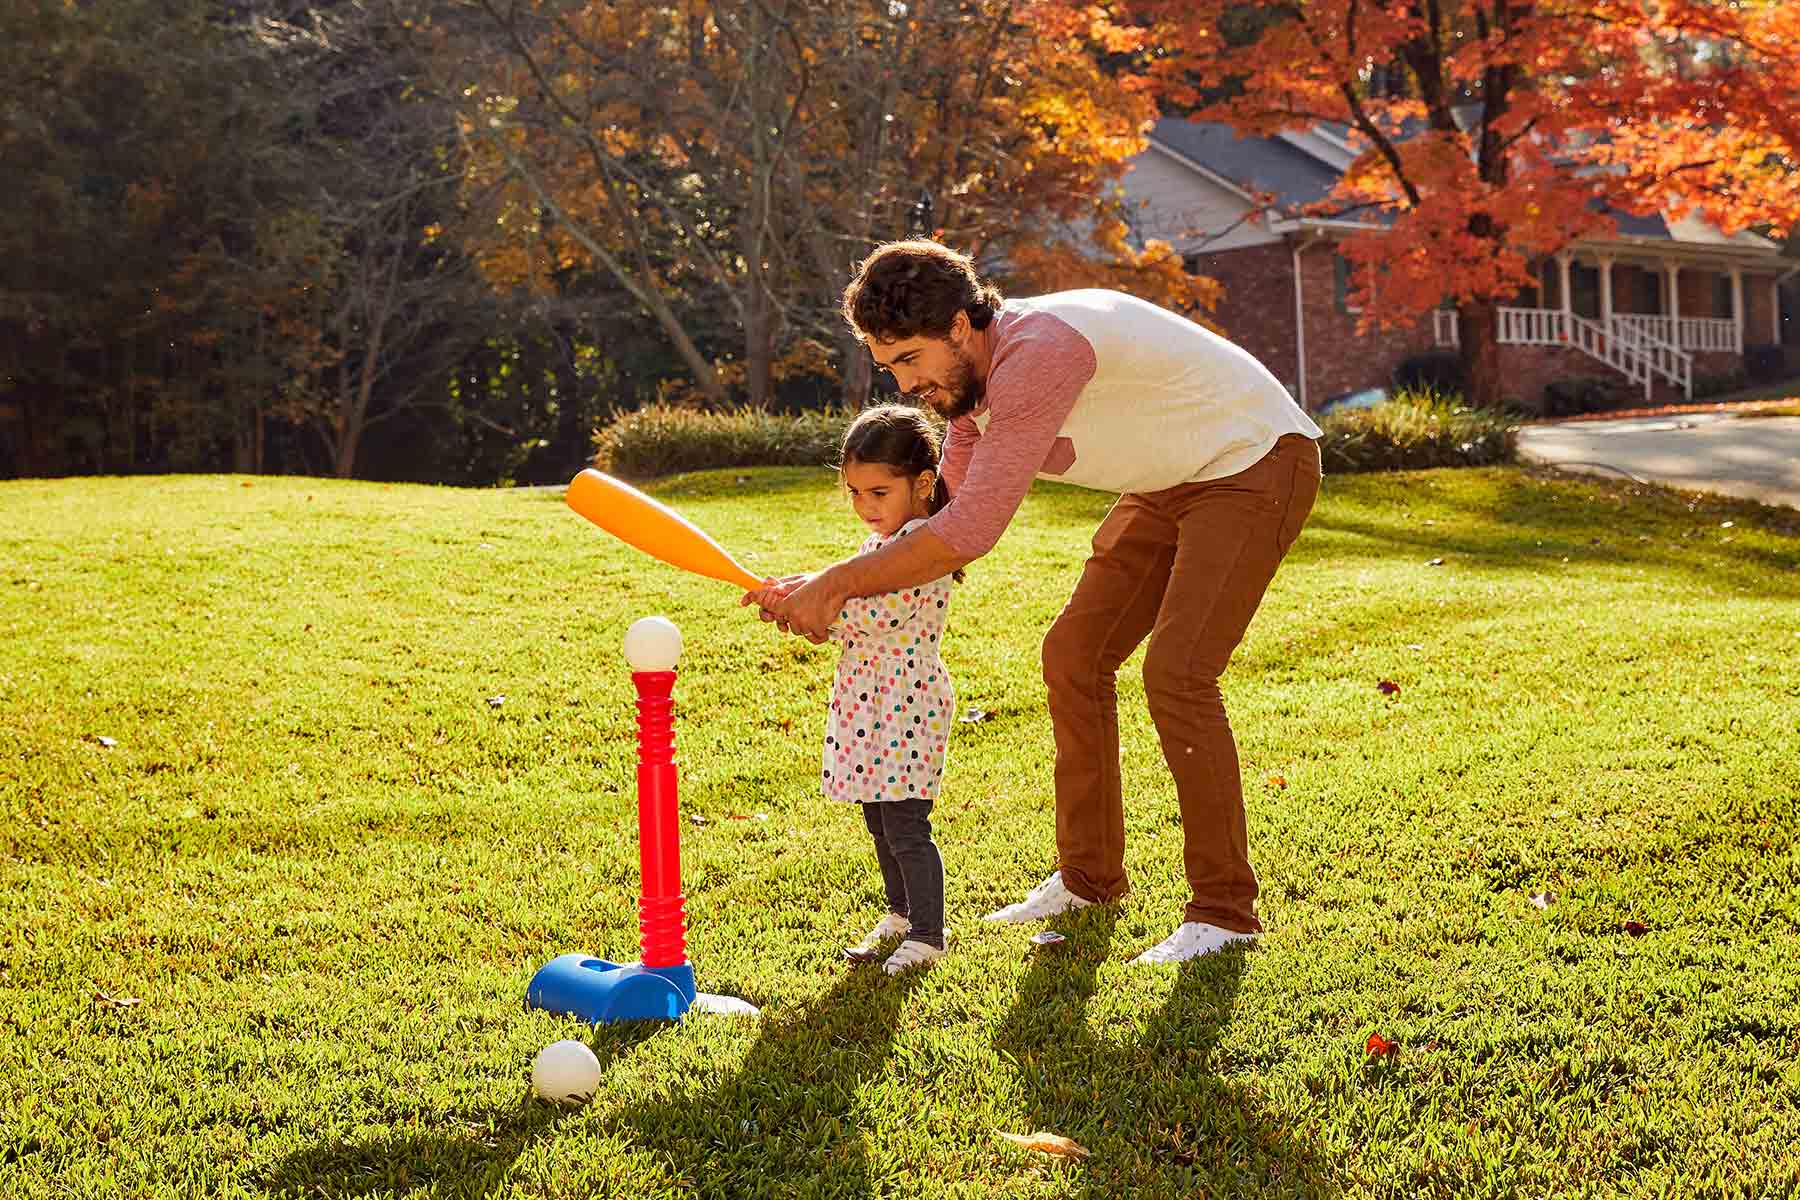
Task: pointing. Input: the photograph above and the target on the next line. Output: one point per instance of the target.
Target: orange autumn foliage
(737, 156)
(1489, 132)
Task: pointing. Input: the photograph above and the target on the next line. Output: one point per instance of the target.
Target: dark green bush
(1414, 430)
(1579, 394)
(1765, 364)
(1439, 371)
(662, 439)
(1708, 386)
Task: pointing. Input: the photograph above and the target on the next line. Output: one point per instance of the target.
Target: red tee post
(662, 917)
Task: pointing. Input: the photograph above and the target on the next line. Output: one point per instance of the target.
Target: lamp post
(919, 215)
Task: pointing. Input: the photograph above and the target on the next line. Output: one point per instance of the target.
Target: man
(1216, 469)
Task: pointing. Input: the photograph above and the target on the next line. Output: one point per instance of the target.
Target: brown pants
(1186, 567)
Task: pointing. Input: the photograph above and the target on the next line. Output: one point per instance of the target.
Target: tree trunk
(1478, 323)
(759, 341)
(859, 373)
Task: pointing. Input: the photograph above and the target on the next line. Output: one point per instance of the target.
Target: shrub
(1415, 429)
(1579, 394)
(1765, 364)
(664, 439)
(1439, 371)
(1707, 386)
(1410, 431)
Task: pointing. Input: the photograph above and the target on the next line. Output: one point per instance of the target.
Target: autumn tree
(1491, 132)
(736, 158)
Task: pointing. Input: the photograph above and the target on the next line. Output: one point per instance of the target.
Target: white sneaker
(869, 949)
(911, 954)
(1045, 900)
(1193, 939)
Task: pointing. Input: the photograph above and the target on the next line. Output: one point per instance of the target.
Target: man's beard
(961, 394)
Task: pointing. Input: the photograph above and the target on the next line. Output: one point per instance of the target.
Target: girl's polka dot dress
(892, 704)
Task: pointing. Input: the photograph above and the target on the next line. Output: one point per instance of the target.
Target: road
(1757, 458)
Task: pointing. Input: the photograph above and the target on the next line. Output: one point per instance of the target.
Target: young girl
(892, 703)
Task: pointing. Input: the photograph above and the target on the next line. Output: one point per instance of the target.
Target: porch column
(1737, 308)
(1606, 295)
(1673, 271)
(1562, 291)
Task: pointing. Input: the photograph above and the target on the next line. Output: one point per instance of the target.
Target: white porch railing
(1688, 333)
(1632, 350)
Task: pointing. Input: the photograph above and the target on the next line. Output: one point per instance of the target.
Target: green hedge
(1414, 430)
(661, 439)
(1409, 431)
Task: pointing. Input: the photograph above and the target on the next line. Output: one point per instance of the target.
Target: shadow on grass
(472, 1166)
(1158, 1114)
(785, 1122)
(1533, 521)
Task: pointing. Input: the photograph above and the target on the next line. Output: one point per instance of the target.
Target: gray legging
(912, 870)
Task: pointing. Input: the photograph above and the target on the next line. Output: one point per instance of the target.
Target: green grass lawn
(276, 863)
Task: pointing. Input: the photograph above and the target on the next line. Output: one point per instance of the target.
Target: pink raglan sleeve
(1040, 366)
(959, 447)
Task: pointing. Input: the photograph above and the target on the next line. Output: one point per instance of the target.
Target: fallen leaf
(1543, 899)
(1278, 781)
(109, 743)
(1379, 1047)
(495, 701)
(972, 716)
(106, 1001)
(1635, 928)
(737, 816)
(1436, 562)
(1048, 1143)
(1388, 687)
(696, 819)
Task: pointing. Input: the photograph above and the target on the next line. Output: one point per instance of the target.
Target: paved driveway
(1754, 457)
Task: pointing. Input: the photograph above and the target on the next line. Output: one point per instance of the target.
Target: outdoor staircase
(1622, 344)
(1634, 353)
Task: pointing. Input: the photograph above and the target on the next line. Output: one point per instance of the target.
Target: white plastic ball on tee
(652, 644)
(565, 1071)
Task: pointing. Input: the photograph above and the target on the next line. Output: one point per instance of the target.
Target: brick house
(1654, 307)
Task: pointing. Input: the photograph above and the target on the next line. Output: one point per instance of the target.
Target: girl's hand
(770, 596)
(773, 592)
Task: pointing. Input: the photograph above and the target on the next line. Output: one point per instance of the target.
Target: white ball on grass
(652, 644)
(565, 1071)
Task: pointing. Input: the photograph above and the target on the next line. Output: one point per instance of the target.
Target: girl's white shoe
(869, 949)
(911, 954)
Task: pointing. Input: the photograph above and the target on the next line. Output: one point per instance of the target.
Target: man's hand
(811, 608)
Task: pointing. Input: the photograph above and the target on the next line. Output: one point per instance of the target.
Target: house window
(1340, 284)
(1722, 306)
(1650, 291)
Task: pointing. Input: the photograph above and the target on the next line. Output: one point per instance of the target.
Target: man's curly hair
(914, 289)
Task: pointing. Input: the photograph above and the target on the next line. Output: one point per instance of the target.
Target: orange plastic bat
(653, 527)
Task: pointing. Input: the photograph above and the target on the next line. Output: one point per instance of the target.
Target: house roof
(1256, 164)
(1296, 176)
